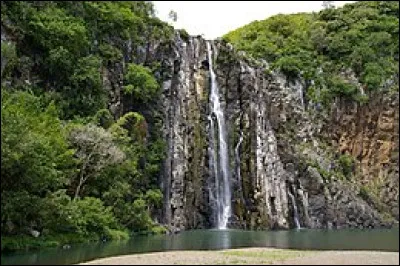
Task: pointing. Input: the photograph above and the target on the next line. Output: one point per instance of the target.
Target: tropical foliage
(340, 52)
(71, 169)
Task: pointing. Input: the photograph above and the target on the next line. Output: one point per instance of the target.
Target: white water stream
(219, 151)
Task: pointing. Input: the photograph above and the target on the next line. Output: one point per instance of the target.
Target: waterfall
(295, 211)
(301, 96)
(219, 151)
(237, 157)
(298, 86)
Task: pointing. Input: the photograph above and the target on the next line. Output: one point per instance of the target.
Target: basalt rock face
(370, 133)
(272, 137)
(259, 197)
(184, 105)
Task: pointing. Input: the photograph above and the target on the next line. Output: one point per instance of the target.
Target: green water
(371, 239)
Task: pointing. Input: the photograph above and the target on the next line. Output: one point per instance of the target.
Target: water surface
(368, 239)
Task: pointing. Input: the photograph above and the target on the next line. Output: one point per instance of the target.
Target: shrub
(52, 27)
(84, 90)
(289, 65)
(93, 217)
(34, 151)
(346, 163)
(140, 83)
(372, 76)
(158, 230)
(340, 87)
(154, 197)
(116, 234)
(8, 57)
(142, 220)
(364, 194)
(184, 35)
(103, 118)
(110, 53)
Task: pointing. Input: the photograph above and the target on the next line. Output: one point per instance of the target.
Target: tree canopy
(327, 48)
(69, 165)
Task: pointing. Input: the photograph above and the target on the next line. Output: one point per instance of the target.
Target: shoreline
(252, 256)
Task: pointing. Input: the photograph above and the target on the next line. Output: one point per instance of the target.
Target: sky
(215, 18)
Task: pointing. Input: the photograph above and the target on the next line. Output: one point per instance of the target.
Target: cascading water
(295, 211)
(219, 152)
(237, 157)
(301, 96)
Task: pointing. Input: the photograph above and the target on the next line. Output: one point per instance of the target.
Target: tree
(34, 151)
(327, 4)
(173, 15)
(8, 56)
(85, 92)
(140, 83)
(35, 158)
(95, 149)
(360, 37)
(56, 173)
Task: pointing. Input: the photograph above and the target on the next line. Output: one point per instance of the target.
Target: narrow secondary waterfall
(237, 157)
(295, 211)
(301, 92)
(219, 150)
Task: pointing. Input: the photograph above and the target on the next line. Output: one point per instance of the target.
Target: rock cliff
(282, 153)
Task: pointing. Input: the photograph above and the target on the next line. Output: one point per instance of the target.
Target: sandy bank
(255, 256)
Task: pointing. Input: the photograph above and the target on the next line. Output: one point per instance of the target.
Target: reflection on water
(371, 239)
(225, 239)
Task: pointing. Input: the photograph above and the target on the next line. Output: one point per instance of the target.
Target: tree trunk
(78, 188)
(81, 181)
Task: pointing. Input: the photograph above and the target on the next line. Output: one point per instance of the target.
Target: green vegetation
(8, 57)
(268, 256)
(327, 48)
(370, 192)
(23, 242)
(80, 140)
(341, 168)
(73, 170)
(140, 83)
(184, 34)
(346, 164)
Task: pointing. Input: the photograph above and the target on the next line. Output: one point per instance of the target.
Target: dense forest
(336, 51)
(70, 170)
(74, 170)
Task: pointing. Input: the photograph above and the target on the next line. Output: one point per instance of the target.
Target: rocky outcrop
(337, 205)
(272, 138)
(259, 198)
(268, 126)
(282, 151)
(278, 154)
(370, 134)
(184, 105)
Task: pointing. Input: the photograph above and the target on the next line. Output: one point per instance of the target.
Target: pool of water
(368, 239)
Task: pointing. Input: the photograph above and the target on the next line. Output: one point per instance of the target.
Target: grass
(235, 261)
(265, 256)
